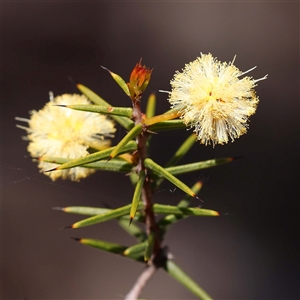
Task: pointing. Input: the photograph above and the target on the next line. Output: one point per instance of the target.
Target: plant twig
(138, 82)
(151, 224)
(141, 282)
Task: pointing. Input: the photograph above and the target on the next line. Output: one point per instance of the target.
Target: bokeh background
(252, 250)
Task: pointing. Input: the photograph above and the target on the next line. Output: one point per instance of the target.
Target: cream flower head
(61, 132)
(213, 100)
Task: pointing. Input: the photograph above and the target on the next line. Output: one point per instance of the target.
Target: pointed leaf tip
(178, 274)
(104, 68)
(124, 122)
(51, 170)
(75, 239)
(102, 217)
(199, 184)
(149, 163)
(198, 198)
(130, 220)
(60, 105)
(119, 80)
(58, 208)
(149, 247)
(134, 132)
(237, 157)
(67, 227)
(137, 194)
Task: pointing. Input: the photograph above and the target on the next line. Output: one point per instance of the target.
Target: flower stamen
(60, 132)
(212, 98)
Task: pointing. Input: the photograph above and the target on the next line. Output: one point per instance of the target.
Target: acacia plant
(70, 139)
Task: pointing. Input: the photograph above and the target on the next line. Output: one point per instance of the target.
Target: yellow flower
(61, 132)
(211, 98)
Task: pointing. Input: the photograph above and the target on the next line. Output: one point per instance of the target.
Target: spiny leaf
(173, 270)
(137, 129)
(95, 211)
(115, 165)
(92, 95)
(124, 122)
(103, 245)
(109, 247)
(137, 249)
(151, 103)
(119, 80)
(133, 178)
(137, 195)
(184, 211)
(150, 246)
(168, 220)
(113, 214)
(130, 146)
(161, 118)
(149, 163)
(84, 210)
(127, 157)
(102, 109)
(198, 165)
(185, 202)
(182, 150)
(167, 125)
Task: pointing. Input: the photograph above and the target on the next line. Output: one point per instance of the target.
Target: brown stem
(151, 225)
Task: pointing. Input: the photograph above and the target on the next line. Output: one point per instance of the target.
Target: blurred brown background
(252, 251)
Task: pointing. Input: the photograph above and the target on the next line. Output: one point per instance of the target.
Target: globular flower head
(139, 79)
(212, 98)
(61, 132)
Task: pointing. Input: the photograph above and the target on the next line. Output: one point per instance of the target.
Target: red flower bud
(139, 79)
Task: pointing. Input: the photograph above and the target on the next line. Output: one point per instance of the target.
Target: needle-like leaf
(115, 165)
(185, 202)
(119, 80)
(184, 211)
(110, 247)
(161, 118)
(167, 125)
(136, 250)
(151, 104)
(168, 220)
(179, 154)
(102, 109)
(103, 245)
(95, 211)
(198, 165)
(150, 246)
(84, 210)
(182, 150)
(137, 195)
(124, 122)
(137, 129)
(149, 163)
(113, 214)
(130, 146)
(173, 270)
